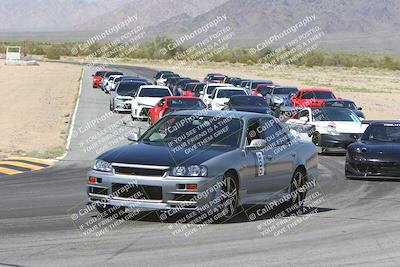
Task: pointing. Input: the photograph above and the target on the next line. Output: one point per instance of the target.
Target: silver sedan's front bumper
(153, 193)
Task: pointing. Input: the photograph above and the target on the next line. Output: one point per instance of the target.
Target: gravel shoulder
(37, 104)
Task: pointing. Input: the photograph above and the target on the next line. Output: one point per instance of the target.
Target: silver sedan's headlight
(101, 165)
(194, 170)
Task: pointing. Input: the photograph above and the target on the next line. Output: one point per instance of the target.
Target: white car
(209, 88)
(221, 95)
(145, 98)
(111, 83)
(330, 129)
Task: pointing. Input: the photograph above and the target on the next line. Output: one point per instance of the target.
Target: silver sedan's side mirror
(133, 137)
(257, 144)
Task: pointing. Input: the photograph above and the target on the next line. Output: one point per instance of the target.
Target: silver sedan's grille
(139, 170)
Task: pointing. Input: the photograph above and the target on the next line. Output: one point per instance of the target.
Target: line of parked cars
(252, 141)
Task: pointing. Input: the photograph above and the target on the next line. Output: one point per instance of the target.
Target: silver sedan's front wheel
(297, 190)
(229, 197)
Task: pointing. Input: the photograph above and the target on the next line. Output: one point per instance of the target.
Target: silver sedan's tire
(229, 197)
(298, 191)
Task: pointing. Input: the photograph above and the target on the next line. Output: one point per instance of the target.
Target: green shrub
(52, 54)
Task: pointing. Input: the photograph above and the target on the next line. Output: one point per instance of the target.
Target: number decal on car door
(260, 163)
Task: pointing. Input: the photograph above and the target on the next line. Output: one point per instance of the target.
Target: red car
(311, 97)
(170, 104)
(263, 90)
(98, 78)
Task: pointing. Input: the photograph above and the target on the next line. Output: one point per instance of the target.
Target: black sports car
(247, 103)
(344, 103)
(377, 154)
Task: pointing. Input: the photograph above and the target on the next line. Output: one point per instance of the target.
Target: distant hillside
(151, 12)
(349, 25)
(354, 25)
(51, 15)
(89, 15)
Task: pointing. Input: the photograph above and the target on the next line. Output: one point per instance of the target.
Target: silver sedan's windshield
(198, 131)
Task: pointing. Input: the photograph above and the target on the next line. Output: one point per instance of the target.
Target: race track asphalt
(356, 223)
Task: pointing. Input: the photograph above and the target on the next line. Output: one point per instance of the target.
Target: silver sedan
(196, 160)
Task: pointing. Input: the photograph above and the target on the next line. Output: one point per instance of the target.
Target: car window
(100, 73)
(210, 89)
(317, 95)
(284, 91)
(388, 132)
(273, 133)
(334, 114)
(281, 136)
(268, 129)
(186, 103)
(227, 93)
(264, 90)
(154, 92)
(253, 131)
(127, 88)
(173, 127)
(254, 101)
(341, 104)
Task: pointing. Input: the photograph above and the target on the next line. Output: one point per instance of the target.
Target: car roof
(268, 81)
(114, 71)
(132, 81)
(188, 79)
(220, 84)
(326, 108)
(230, 88)
(289, 87)
(154, 86)
(246, 96)
(315, 90)
(132, 77)
(182, 97)
(265, 85)
(231, 114)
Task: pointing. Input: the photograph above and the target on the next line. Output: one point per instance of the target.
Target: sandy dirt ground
(37, 103)
(376, 91)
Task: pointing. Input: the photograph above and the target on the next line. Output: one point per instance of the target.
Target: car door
(280, 155)
(273, 166)
(256, 183)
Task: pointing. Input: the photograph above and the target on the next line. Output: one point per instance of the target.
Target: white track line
(71, 128)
